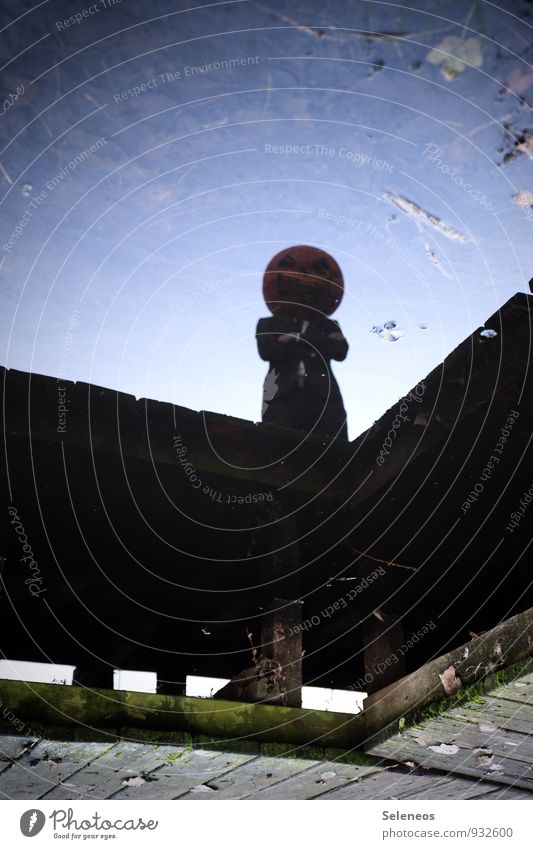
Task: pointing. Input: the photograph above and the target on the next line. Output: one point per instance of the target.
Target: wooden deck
(482, 750)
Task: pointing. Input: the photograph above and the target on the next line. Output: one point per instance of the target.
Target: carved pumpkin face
(303, 281)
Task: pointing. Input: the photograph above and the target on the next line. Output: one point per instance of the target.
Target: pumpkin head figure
(303, 281)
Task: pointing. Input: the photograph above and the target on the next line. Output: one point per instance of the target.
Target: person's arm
(273, 345)
(328, 341)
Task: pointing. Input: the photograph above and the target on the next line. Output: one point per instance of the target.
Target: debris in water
(488, 333)
(434, 260)
(523, 198)
(522, 143)
(420, 215)
(454, 54)
(422, 327)
(389, 332)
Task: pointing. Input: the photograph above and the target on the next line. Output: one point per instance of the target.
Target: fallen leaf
(450, 681)
(488, 727)
(484, 757)
(326, 775)
(445, 748)
(134, 782)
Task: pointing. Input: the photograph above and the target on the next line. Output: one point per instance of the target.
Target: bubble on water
(26, 190)
(423, 326)
(488, 333)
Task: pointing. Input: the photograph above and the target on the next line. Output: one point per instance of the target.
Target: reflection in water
(302, 286)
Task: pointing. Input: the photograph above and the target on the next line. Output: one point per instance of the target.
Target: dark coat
(306, 397)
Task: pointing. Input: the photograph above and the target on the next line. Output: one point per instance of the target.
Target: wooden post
(276, 674)
(281, 643)
(384, 663)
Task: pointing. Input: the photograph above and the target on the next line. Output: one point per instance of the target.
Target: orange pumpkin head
(303, 281)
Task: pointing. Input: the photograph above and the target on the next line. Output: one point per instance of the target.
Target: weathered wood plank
(514, 793)
(48, 764)
(11, 747)
(457, 761)
(312, 783)
(470, 736)
(105, 775)
(188, 768)
(516, 692)
(247, 780)
(502, 713)
(392, 784)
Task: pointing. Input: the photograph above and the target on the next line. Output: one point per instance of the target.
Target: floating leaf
(454, 54)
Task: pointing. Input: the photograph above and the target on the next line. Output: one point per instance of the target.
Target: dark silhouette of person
(302, 286)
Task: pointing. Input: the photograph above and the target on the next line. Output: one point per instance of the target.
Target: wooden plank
(515, 692)
(312, 783)
(11, 747)
(105, 775)
(48, 764)
(247, 780)
(507, 793)
(461, 762)
(503, 714)
(393, 784)
(471, 736)
(189, 768)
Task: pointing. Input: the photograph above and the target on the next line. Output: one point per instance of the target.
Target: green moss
(81, 733)
(352, 757)
(472, 697)
(288, 750)
(239, 747)
(158, 737)
(175, 756)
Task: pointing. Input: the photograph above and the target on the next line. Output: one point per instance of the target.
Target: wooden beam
(54, 704)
